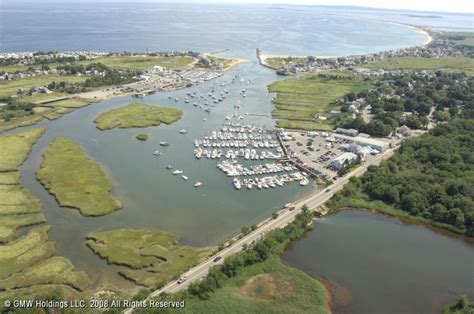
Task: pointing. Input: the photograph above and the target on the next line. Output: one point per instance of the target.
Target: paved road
(283, 219)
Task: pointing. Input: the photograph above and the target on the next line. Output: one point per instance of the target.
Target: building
(342, 161)
(379, 145)
(403, 131)
(349, 132)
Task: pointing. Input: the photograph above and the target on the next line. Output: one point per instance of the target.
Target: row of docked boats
(247, 154)
(233, 168)
(270, 181)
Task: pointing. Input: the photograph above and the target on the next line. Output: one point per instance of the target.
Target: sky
(459, 6)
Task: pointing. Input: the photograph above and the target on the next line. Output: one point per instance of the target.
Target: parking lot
(316, 150)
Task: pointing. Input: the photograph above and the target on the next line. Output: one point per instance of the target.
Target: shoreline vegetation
(29, 266)
(306, 103)
(255, 280)
(150, 258)
(403, 186)
(137, 115)
(75, 180)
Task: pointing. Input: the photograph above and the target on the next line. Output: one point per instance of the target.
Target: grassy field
(9, 224)
(56, 270)
(278, 62)
(461, 38)
(9, 178)
(299, 102)
(15, 148)
(28, 250)
(457, 64)
(117, 62)
(56, 113)
(141, 62)
(16, 123)
(9, 88)
(267, 287)
(76, 180)
(152, 257)
(14, 199)
(28, 260)
(137, 115)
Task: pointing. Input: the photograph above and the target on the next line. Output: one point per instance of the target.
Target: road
(284, 218)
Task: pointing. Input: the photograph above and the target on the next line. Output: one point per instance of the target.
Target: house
(403, 131)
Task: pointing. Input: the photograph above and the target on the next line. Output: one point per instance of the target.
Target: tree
(456, 217)
(245, 230)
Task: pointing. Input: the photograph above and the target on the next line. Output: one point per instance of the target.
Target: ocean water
(152, 197)
(200, 27)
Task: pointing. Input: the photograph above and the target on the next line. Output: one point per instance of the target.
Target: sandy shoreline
(263, 57)
(418, 30)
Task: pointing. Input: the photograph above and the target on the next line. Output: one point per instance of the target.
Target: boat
(157, 153)
(237, 184)
(183, 131)
(304, 182)
(164, 144)
(184, 177)
(177, 172)
(169, 167)
(197, 184)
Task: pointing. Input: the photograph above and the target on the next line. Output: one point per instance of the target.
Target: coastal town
(438, 45)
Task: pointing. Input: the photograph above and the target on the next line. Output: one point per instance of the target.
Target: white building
(379, 145)
(341, 161)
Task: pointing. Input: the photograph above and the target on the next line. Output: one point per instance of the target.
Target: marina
(244, 148)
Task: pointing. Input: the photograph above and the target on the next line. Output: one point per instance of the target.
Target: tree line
(430, 176)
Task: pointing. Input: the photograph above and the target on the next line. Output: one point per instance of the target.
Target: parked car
(218, 258)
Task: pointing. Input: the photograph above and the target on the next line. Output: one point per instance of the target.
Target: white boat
(304, 182)
(237, 184)
(184, 177)
(169, 167)
(157, 153)
(183, 131)
(197, 184)
(164, 144)
(177, 172)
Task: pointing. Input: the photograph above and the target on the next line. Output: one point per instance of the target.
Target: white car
(182, 279)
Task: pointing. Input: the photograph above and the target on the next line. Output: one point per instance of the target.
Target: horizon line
(250, 3)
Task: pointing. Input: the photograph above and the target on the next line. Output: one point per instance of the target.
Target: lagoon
(373, 263)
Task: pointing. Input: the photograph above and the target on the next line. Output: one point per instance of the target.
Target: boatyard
(327, 154)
